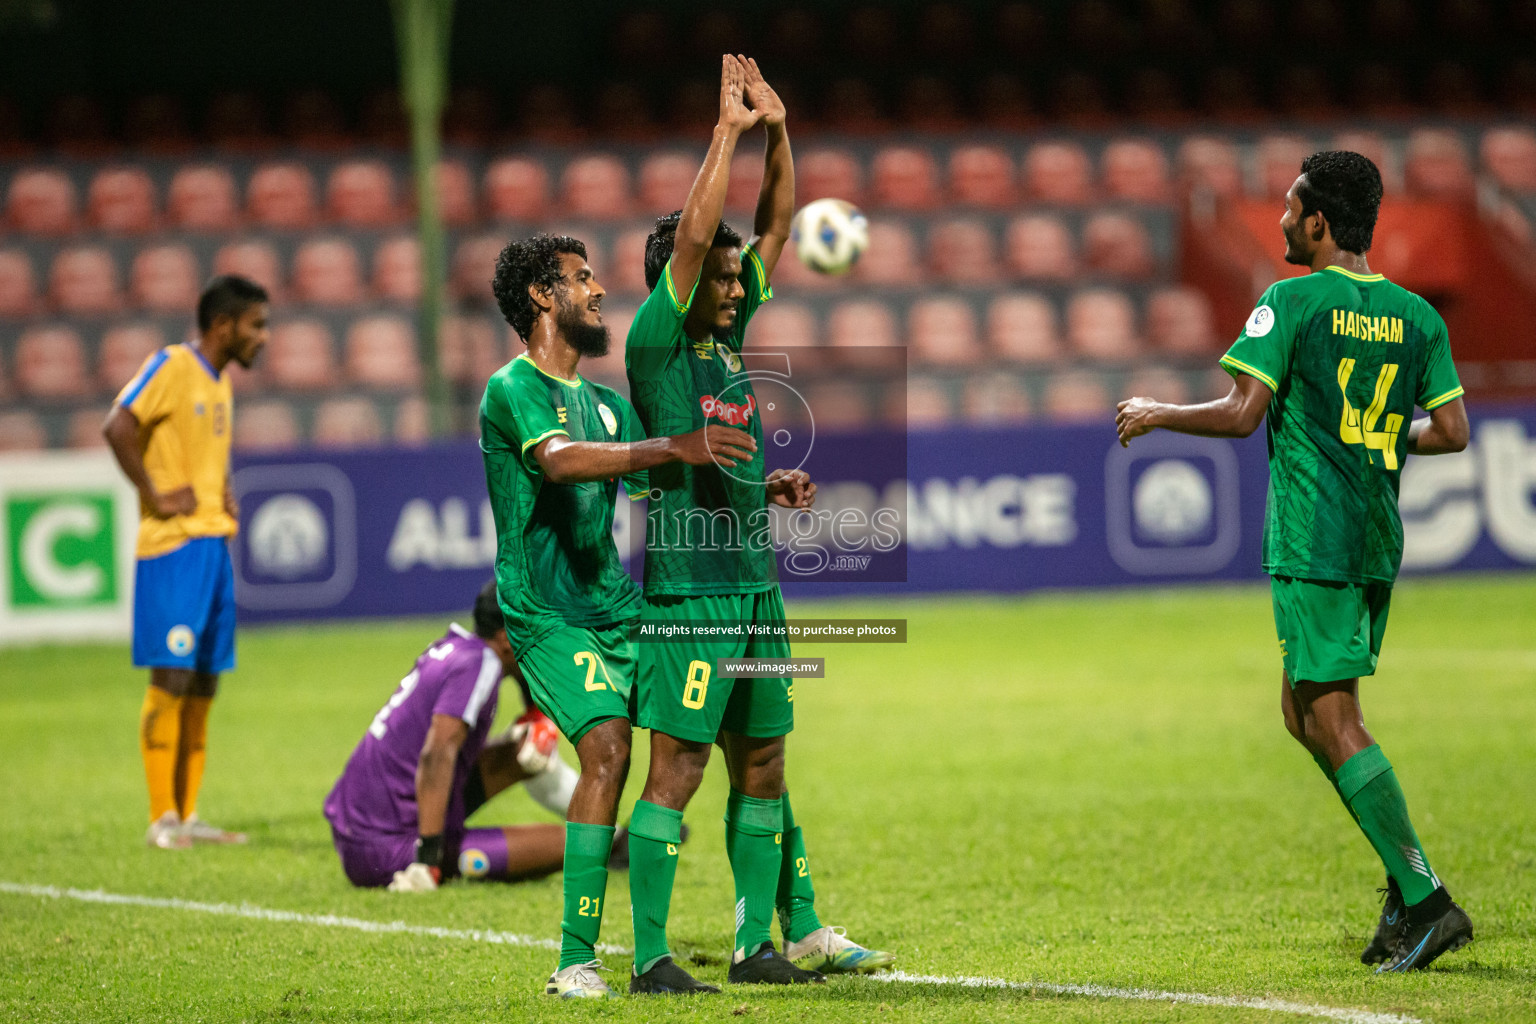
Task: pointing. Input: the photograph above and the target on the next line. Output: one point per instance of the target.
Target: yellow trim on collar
(1357, 277)
(578, 382)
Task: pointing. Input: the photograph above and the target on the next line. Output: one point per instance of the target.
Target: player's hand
(536, 738)
(1134, 418)
(166, 504)
(766, 102)
(715, 445)
(791, 488)
(734, 112)
(415, 878)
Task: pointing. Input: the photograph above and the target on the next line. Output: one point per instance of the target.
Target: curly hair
(661, 241)
(227, 295)
(525, 262)
(1346, 188)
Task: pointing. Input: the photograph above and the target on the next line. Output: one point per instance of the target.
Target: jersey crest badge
(609, 419)
(1260, 322)
(731, 360)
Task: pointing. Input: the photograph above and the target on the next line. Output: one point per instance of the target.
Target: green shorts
(582, 676)
(678, 694)
(1329, 631)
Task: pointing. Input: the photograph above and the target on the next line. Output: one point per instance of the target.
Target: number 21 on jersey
(1356, 427)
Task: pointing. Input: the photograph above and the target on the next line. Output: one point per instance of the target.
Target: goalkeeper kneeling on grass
(426, 763)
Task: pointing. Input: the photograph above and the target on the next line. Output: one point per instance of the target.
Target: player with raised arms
(555, 446)
(1338, 359)
(683, 357)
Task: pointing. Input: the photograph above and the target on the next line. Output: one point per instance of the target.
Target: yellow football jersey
(183, 407)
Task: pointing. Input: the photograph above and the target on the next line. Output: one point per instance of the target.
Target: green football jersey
(556, 562)
(708, 533)
(1347, 356)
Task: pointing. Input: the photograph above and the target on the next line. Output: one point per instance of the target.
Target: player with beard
(555, 446)
(1339, 358)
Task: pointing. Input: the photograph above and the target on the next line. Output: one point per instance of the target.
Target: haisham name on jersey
(732, 415)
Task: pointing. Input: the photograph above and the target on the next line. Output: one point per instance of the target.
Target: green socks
(654, 832)
(796, 897)
(753, 839)
(1370, 791)
(586, 882)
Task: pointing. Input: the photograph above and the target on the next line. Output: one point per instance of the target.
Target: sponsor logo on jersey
(729, 413)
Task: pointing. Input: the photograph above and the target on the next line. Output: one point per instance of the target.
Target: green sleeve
(1438, 383)
(637, 484)
(1263, 350)
(657, 329)
(754, 281)
(520, 413)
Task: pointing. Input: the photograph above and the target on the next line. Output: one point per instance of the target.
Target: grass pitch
(1086, 789)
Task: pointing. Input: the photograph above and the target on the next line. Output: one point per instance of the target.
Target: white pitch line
(246, 910)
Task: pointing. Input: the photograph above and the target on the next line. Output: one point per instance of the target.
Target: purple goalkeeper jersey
(459, 675)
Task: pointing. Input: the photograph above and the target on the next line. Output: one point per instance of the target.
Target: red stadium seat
(1077, 396)
(517, 189)
(165, 279)
(622, 110)
(783, 325)
(313, 119)
(121, 200)
(1101, 324)
(237, 121)
(203, 199)
(413, 421)
(626, 276)
(892, 257)
(42, 201)
(157, 124)
(836, 405)
(123, 350)
(547, 114)
(1118, 246)
(994, 400)
(862, 323)
(596, 186)
(266, 426)
(1279, 160)
(1180, 322)
(1004, 103)
(927, 405)
(84, 281)
(746, 182)
(50, 364)
(384, 122)
(1509, 154)
(963, 252)
(381, 353)
(942, 331)
(1136, 169)
(795, 277)
(828, 174)
(21, 431)
(1021, 328)
(397, 269)
(853, 107)
(929, 105)
(301, 356)
(470, 118)
(1211, 163)
(84, 432)
(906, 178)
(18, 285)
(665, 179)
(282, 195)
(1040, 247)
(361, 193)
(347, 423)
(470, 348)
(76, 126)
(327, 271)
(1375, 148)
(474, 265)
(1058, 172)
(1160, 383)
(1438, 165)
(456, 202)
(982, 176)
(256, 260)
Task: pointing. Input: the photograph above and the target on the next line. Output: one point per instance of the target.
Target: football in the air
(830, 235)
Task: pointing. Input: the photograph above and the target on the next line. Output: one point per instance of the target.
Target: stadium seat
(746, 182)
(1180, 322)
(50, 363)
(837, 405)
(963, 252)
(929, 105)
(84, 430)
(1158, 382)
(1509, 155)
(266, 426)
(1003, 101)
(1119, 246)
(237, 122)
(361, 194)
(1040, 247)
(397, 269)
(165, 279)
(1021, 328)
(622, 110)
(828, 174)
(595, 186)
(1154, 96)
(21, 431)
(470, 348)
(924, 404)
(1304, 94)
(470, 118)
(1078, 396)
(383, 122)
(84, 281)
(1058, 172)
(862, 323)
(313, 119)
(18, 285)
(784, 324)
(381, 352)
(517, 189)
(994, 400)
(1278, 158)
(665, 179)
(123, 350)
(256, 260)
(892, 257)
(413, 421)
(853, 107)
(1210, 162)
(456, 202)
(982, 176)
(626, 274)
(1078, 99)
(1231, 95)
(347, 423)
(202, 198)
(121, 200)
(474, 264)
(1438, 165)
(1101, 324)
(905, 178)
(1375, 148)
(327, 272)
(942, 331)
(157, 124)
(41, 201)
(76, 126)
(1137, 170)
(282, 195)
(547, 114)
(301, 356)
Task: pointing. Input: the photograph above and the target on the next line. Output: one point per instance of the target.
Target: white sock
(553, 787)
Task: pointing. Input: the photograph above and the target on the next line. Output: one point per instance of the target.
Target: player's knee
(178, 682)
